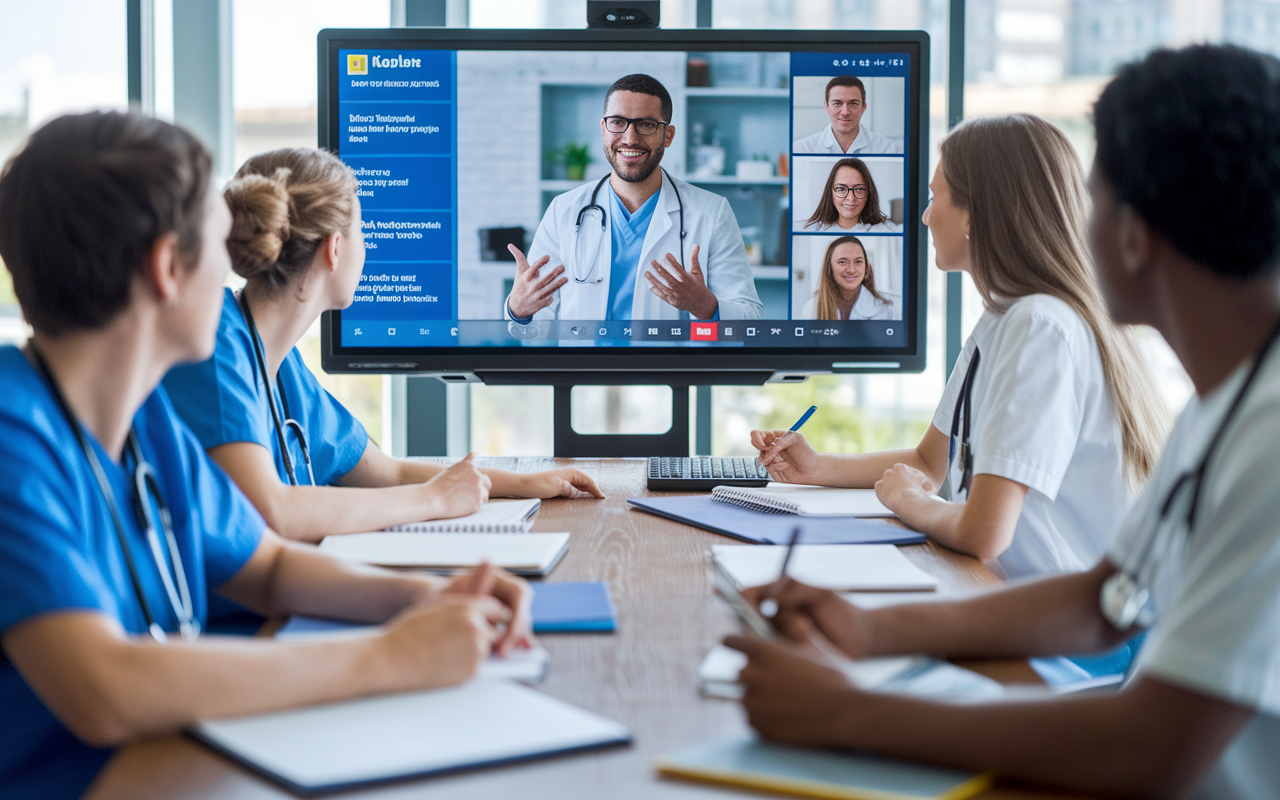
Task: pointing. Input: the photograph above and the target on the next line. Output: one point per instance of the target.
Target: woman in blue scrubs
(297, 240)
(115, 527)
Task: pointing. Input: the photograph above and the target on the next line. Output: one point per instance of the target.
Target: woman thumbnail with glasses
(850, 202)
(116, 529)
(296, 239)
(847, 287)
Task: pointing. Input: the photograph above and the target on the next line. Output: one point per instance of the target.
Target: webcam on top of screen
(623, 13)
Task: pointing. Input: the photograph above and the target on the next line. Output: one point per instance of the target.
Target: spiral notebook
(809, 501)
(495, 516)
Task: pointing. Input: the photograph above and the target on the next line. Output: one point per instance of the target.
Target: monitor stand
(568, 443)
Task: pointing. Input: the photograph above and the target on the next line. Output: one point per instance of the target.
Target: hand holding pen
(787, 454)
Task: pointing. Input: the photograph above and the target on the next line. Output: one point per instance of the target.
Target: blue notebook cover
(746, 525)
(582, 607)
(579, 607)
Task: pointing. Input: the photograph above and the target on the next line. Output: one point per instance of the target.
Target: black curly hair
(1190, 138)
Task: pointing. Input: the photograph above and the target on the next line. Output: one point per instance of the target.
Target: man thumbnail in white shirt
(845, 101)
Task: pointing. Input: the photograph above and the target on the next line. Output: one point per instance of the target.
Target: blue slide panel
(401, 128)
(407, 182)
(382, 75)
(408, 236)
(403, 290)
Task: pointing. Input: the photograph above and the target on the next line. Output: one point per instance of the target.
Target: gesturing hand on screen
(533, 290)
(686, 291)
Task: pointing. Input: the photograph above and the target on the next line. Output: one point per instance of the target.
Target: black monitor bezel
(561, 365)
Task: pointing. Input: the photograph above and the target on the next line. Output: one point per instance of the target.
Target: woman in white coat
(847, 288)
(1050, 418)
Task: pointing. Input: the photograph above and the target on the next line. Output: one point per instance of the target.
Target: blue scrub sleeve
(44, 557)
(230, 527)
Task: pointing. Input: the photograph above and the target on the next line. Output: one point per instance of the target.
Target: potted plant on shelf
(575, 158)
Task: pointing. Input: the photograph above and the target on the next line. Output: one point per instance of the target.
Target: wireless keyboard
(702, 473)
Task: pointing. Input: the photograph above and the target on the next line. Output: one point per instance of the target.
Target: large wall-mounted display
(724, 191)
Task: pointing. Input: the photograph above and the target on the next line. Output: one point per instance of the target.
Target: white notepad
(521, 553)
(495, 516)
(338, 745)
(843, 567)
(809, 501)
(718, 673)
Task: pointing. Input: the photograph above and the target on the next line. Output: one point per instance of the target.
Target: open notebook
(809, 501)
(495, 516)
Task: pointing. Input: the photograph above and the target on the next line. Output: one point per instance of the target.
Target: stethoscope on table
(147, 490)
(592, 249)
(963, 405)
(1125, 596)
(288, 422)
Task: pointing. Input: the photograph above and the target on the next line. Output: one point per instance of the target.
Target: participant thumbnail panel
(841, 277)
(848, 194)
(844, 114)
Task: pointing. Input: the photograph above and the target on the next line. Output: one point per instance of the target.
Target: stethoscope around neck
(585, 250)
(960, 429)
(1125, 596)
(146, 490)
(288, 422)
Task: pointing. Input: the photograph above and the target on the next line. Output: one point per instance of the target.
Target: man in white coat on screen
(637, 244)
(845, 101)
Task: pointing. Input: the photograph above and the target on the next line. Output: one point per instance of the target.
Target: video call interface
(787, 172)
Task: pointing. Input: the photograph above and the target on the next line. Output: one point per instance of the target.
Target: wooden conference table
(644, 675)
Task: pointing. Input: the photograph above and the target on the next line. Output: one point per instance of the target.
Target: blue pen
(796, 427)
(805, 418)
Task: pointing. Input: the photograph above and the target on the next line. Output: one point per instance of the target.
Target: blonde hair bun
(285, 204)
(260, 221)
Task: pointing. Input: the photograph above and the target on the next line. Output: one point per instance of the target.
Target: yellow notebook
(747, 762)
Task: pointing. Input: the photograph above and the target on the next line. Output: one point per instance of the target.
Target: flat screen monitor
(790, 165)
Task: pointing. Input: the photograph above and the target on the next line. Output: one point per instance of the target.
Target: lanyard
(147, 488)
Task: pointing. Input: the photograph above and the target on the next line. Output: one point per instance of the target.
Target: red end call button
(703, 331)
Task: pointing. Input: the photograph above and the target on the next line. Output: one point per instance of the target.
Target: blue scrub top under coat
(59, 551)
(628, 243)
(224, 400)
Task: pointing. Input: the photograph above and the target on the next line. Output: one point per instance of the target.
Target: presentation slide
(717, 199)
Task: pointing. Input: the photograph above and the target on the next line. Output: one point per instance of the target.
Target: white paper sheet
(843, 567)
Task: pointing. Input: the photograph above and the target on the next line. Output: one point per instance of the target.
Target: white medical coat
(867, 141)
(709, 222)
(865, 307)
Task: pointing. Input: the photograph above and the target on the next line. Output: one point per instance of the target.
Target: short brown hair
(284, 204)
(844, 80)
(82, 204)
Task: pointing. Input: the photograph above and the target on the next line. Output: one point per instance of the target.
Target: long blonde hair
(1022, 184)
(829, 292)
